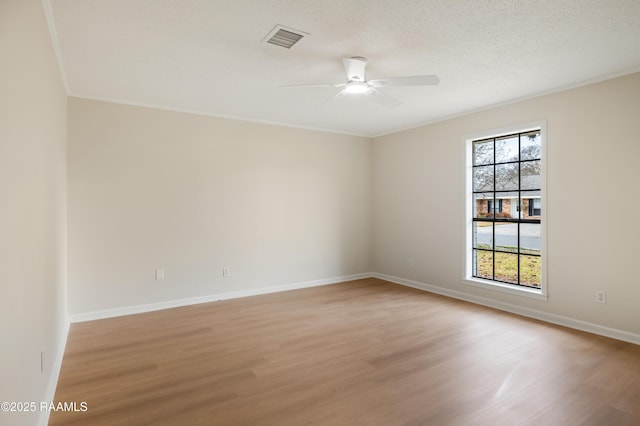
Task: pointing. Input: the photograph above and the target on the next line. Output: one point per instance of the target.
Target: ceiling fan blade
(384, 99)
(330, 99)
(414, 80)
(354, 67)
(315, 85)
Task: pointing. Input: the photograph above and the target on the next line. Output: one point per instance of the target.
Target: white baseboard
(503, 306)
(138, 309)
(519, 310)
(55, 374)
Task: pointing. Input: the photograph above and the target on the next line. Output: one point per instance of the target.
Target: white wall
(33, 116)
(593, 172)
(192, 194)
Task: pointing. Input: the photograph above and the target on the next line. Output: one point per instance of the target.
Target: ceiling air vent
(284, 37)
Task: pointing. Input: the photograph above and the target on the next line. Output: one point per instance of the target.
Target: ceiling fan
(356, 84)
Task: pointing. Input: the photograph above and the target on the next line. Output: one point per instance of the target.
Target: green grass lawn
(507, 267)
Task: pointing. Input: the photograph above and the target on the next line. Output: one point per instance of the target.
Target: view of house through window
(506, 229)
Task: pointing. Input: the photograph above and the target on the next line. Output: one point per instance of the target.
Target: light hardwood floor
(365, 352)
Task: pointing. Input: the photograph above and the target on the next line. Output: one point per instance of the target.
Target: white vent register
(284, 37)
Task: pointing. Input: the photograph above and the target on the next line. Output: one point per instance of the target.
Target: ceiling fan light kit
(355, 87)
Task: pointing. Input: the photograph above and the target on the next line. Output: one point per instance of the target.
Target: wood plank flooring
(365, 352)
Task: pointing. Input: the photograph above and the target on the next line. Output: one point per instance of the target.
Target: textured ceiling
(207, 56)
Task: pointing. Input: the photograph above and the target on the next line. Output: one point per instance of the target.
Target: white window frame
(468, 278)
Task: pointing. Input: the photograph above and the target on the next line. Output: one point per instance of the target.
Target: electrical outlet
(226, 272)
(601, 296)
(159, 274)
(410, 261)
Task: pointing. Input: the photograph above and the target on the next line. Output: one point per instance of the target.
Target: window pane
(530, 175)
(482, 204)
(483, 178)
(530, 270)
(507, 267)
(483, 264)
(507, 149)
(531, 205)
(530, 146)
(483, 152)
(506, 237)
(483, 235)
(506, 176)
(529, 238)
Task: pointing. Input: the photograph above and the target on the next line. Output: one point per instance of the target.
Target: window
(534, 206)
(494, 207)
(504, 204)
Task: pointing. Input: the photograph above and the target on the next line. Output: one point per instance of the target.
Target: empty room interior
(319, 212)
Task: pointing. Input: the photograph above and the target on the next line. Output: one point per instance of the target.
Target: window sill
(506, 288)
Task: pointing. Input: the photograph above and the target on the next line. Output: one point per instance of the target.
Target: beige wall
(157, 189)
(192, 194)
(593, 149)
(33, 115)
